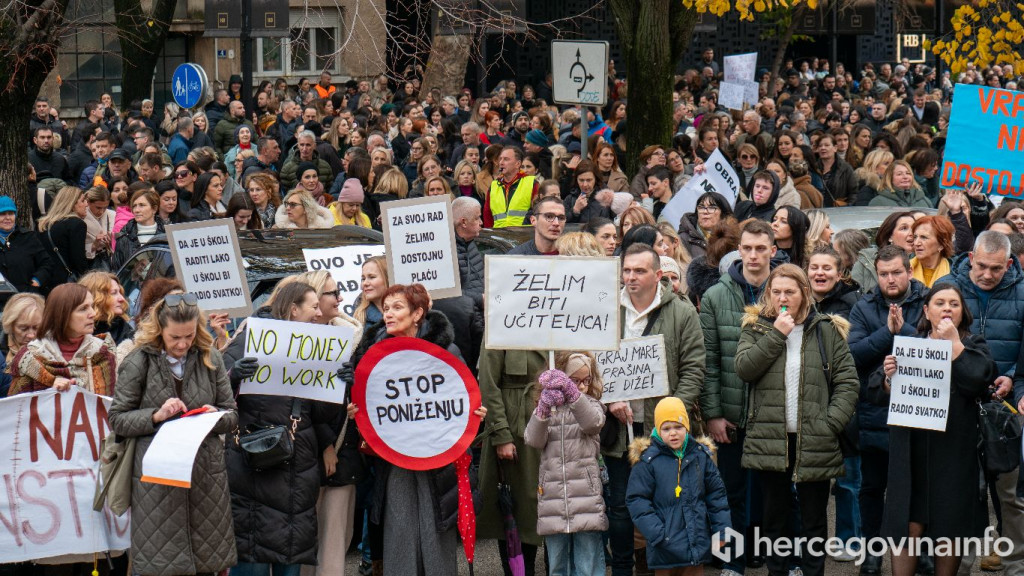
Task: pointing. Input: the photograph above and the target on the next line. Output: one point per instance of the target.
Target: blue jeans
(577, 554)
(847, 500)
(256, 569)
(620, 525)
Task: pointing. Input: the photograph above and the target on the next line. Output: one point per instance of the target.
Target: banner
(551, 303)
(419, 239)
(345, 263)
(416, 402)
(740, 67)
(920, 387)
(172, 453)
(209, 264)
(986, 138)
(638, 369)
(50, 463)
(730, 95)
(719, 177)
(297, 359)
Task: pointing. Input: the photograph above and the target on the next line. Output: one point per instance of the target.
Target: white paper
(740, 67)
(172, 452)
(552, 303)
(719, 177)
(920, 387)
(419, 238)
(208, 262)
(730, 95)
(345, 263)
(297, 359)
(751, 93)
(638, 369)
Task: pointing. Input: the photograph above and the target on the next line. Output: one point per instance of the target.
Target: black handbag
(850, 436)
(351, 467)
(270, 446)
(999, 438)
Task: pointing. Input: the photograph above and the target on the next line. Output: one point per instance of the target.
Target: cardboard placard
(419, 241)
(551, 303)
(719, 177)
(986, 140)
(297, 359)
(920, 387)
(345, 263)
(638, 369)
(208, 262)
(740, 67)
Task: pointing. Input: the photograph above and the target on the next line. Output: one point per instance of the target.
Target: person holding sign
(803, 384)
(418, 509)
(933, 476)
(175, 368)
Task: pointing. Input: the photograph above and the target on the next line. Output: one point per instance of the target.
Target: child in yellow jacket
(348, 209)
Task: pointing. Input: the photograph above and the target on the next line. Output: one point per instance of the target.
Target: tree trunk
(654, 35)
(29, 40)
(142, 37)
(784, 40)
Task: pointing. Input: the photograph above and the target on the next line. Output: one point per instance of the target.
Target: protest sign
(751, 92)
(920, 387)
(171, 454)
(419, 239)
(297, 359)
(986, 138)
(345, 263)
(208, 262)
(638, 369)
(552, 303)
(416, 402)
(51, 462)
(740, 67)
(719, 177)
(730, 95)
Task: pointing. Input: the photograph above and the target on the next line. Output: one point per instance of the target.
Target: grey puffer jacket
(176, 531)
(569, 489)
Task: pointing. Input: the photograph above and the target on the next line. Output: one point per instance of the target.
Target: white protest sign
(719, 177)
(638, 369)
(297, 359)
(208, 262)
(172, 453)
(551, 303)
(49, 463)
(730, 95)
(419, 240)
(416, 403)
(345, 263)
(740, 67)
(920, 387)
(751, 92)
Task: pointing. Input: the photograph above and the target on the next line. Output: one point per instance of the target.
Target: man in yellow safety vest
(511, 194)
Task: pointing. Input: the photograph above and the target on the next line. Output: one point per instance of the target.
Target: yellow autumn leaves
(745, 8)
(984, 34)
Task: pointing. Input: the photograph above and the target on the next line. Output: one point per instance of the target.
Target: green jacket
(912, 198)
(684, 353)
(761, 361)
(289, 177)
(721, 311)
(224, 134)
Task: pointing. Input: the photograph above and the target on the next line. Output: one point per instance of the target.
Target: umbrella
(467, 516)
(512, 543)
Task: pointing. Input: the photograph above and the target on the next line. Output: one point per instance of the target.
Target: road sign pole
(584, 129)
(246, 46)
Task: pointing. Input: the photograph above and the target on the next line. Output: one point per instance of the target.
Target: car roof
(866, 218)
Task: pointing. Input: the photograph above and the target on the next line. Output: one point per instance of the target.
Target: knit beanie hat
(671, 409)
(303, 166)
(537, 138)
(621, 201)
(351, 191)
(669, 264)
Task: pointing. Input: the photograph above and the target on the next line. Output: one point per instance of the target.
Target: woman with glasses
(300, 210)
(206, 198)
(748, 161)
(411, 166)
(185, 174)
(173, 369)
(265, 197)
(695, 226)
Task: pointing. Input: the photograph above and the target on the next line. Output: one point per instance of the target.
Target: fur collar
(321, 220)
(640, 445)
(435, 329)
(752, 315)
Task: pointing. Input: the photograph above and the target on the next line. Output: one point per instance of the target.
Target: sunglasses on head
(175, 300)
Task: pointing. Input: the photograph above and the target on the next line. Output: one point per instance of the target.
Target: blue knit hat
(537, 138)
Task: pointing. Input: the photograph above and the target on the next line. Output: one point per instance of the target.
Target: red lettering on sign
(80, 424)
(36, 428)
(30, 533)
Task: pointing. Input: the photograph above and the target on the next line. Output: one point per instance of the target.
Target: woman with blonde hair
(300, 210)
(437, 186)
(870, 174)
(21, 317)
(173, 369)
(633, 216)
(373, 283)
(465, 179)
(263, 191)
(899, 188)
(63, 231)
(578, 244)
(820, 231)
(110, 305)
(676, 251)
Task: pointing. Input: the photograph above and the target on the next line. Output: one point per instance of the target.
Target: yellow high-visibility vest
(514, 214)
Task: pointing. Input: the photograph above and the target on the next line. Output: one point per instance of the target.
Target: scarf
(37, 366)
(917, 270)
(679, 457)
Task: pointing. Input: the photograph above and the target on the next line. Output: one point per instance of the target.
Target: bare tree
(142, 35)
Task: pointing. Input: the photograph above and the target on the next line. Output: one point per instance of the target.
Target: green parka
(721, 311)
(912, 198)
(761, 361)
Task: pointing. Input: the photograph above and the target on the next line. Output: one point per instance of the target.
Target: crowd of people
(778, 330)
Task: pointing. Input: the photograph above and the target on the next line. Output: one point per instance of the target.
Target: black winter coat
(128, 242)
(444, 491)
(67, 237)
(700, 277)
(956, 506)
(471, 268)
(593, 209)
(840, 300)
(274, 511)
(23, 257)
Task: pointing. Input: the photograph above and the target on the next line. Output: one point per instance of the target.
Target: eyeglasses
(175, 300)
(584, 381)
(550, 217)
(336, 293)
(658, 153)
(182, 174)
(708, 209)
(749, 157)
(293, 204)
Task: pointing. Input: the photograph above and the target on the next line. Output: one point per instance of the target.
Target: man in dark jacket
(42, 117)
(217, 109)
(466, 214)
(891, 309)
(723, 401)
(224, 134)
(46, 161)
(81, 153)
(23, 260)
(840, 184)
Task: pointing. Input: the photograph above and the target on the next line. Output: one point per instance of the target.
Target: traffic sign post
(188, 85)
(579, 71)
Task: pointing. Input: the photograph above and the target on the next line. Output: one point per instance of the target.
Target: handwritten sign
(719, 177)
(751, 92)
(552, 303)
(920, 387)
(208, 262)
(638, 369)
(730, 95)
(740, 67)
(50, 467)
(172, 453)
(417, 402)
(297, 359)
(419, 237)
(345, 263)
(986, 138)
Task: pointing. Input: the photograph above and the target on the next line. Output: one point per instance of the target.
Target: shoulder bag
(116, 466)
(270, 446)
(999, 438)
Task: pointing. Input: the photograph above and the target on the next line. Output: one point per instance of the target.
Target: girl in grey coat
(570, 504)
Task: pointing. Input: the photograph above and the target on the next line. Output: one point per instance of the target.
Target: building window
(308, 50)
(90, 64)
